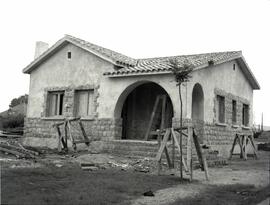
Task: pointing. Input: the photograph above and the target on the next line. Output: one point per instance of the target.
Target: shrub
(13, 121)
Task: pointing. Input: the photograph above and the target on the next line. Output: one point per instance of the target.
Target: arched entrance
(197, 103)
(137, 107)
(198, 110)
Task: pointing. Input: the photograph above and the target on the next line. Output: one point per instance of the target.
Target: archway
(198, 110)
(136, 104)
(197, 103)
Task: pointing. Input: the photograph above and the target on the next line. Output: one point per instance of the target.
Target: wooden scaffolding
(67, 132)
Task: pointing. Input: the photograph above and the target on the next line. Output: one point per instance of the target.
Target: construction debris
(17, 149)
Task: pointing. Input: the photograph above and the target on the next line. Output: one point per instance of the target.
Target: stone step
(135, 148)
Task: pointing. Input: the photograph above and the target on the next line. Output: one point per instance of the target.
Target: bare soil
(56, 179)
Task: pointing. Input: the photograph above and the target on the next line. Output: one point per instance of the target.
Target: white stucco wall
(85, 68)
(222, 77)
(58, 71)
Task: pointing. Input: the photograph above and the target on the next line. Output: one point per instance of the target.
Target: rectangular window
(221, 109)
(234, 112)
(55, 103)
(84, 102)
(245, 115)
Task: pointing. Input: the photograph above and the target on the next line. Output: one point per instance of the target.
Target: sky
(139, 29)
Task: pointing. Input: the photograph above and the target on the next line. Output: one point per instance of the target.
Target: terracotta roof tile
(116, 57)
(162, 64)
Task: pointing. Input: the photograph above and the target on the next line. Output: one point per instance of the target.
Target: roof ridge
(219, 52)
(118, 57)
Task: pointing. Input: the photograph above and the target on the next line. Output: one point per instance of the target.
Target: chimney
(41, 47)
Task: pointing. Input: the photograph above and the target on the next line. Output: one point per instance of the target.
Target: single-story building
(115, 94)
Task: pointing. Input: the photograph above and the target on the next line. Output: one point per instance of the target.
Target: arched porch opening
(197, 103)
(135, 106)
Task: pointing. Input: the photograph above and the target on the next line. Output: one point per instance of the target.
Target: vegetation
(14, 117)
(19, 100)
(182, 74)
(12, 121)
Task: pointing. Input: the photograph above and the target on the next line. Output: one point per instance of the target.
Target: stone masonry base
(41, 133)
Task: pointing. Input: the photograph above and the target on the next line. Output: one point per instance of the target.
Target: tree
(181, 72)
(19, 100)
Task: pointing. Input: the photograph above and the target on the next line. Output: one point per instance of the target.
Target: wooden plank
(233, 145)
(191, 171)
(200, 155)
(152, 118)
(159, 144)
(12, 152)
(189, 147)
(163, 109)
(251, 138)
(27, 150)
(163, 144)
(167, 156)
(86, 139)
(59, 138)
(241, 146)
(244, 144)
(17, 149)
(173, 152)
(178, 147)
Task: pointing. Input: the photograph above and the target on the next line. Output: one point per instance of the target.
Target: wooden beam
(152, 118)
(163, 144)
(200, 156)
(189, 149)
(233, 145)
(178, 147)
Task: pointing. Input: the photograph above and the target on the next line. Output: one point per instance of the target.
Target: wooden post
(253, 145)
(84, 133)
(200, 156)
(168, 156)
(59, 138)
(163, 144)
(152, 118)
(244, 143)
(173, 151)
(163, 110)
(189, 151)
(233, 145)
(159, 144)
(178, 147)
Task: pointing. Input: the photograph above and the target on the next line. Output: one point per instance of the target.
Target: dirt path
(53, 179)
(250, 174)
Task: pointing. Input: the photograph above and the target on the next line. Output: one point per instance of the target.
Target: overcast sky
(139, 29)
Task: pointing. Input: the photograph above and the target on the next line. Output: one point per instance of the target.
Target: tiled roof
(125, 65)
(116, 57)
(162, 64)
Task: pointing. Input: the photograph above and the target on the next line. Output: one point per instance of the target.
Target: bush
(13, 121)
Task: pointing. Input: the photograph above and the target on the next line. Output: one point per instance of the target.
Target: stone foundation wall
(40, 132)
(216, 137)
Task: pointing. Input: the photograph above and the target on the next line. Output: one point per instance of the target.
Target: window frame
(58, 103)
(221, 99)
(234, 112)
(245, 115)
(77, 103)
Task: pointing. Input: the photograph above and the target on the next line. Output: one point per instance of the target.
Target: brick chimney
(41, 47)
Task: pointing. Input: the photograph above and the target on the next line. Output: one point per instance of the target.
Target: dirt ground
(59, 179)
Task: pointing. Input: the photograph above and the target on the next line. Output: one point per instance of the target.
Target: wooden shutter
(221, 109)
(234, 111)
(90, 102)
(52, 104)
(82, 103)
